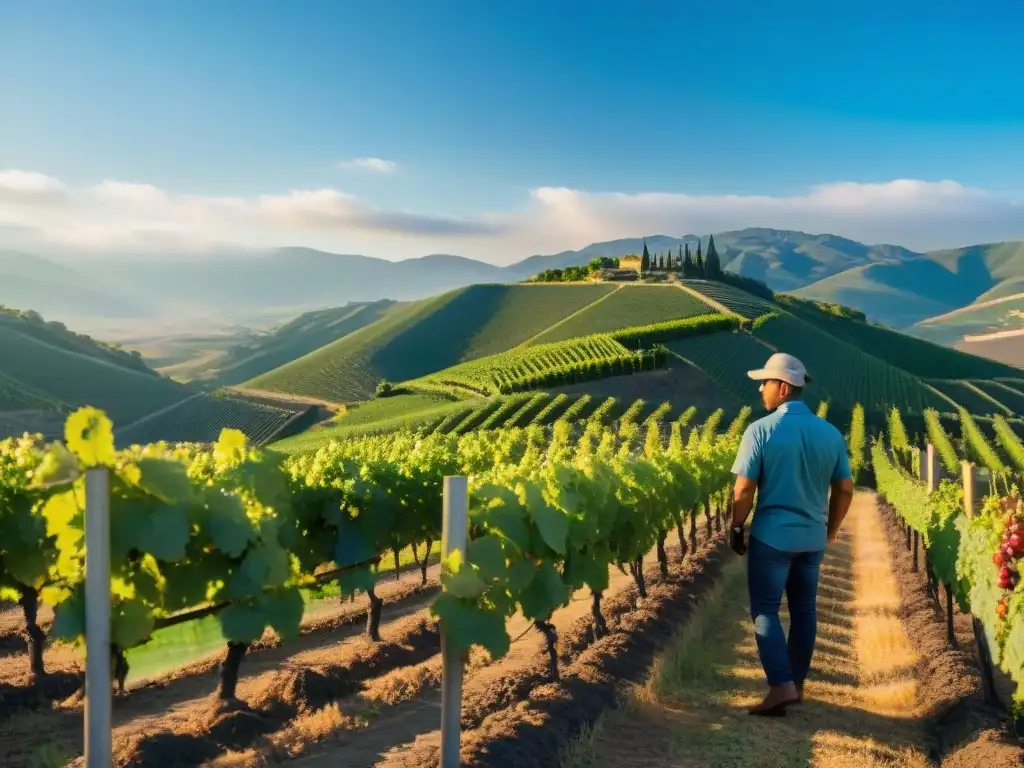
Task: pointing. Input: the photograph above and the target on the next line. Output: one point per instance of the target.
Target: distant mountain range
(894, 285)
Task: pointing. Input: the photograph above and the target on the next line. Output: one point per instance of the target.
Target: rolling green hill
(428, 336)
(306, 333)
(982, 318)
(910, 353)
(449, 338)
(56, 334)
(40, 370)
(200, 419)
(908, 291)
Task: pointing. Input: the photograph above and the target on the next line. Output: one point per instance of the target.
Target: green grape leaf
(187, 584)
(131, 624)
(166, 479)
(230, 446)
(69, 617)
(89, 435)
(592, 570)
(465, 624)
(546, 592)
(242, 623)
(227, 524)
(552, 524)
(508, 520)
(149, 526)
(58, 466)
(463, 582)
(26, 564)
(264, 566)
(63, 513)
(145, 581)
(283, 609)
(360, 579)
(352, 546)
(488, 555)
(520, 575)
(167, 534)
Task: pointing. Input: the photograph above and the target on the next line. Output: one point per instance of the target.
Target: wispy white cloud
(372, 164)
(30, 188)
(132, 216)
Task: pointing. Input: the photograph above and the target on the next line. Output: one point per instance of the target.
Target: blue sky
(480, 102)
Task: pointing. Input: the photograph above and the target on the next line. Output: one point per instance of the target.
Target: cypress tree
(714, 264)
(688, 268)
(700, 262)
(645, 260)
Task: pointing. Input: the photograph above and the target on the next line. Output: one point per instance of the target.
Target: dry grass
(861, 708)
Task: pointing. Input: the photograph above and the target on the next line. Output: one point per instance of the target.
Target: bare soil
(57, 704)
(332, 685)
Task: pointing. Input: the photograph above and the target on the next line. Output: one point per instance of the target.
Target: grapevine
(978, 445)
(1011, 443)
(238, 532)
(940, 439)
(857, 441)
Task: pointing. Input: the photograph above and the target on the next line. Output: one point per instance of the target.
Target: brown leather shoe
(775, 703)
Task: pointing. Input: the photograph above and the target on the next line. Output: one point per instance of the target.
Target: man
(791, 458)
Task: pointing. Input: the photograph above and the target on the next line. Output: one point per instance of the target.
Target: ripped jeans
(770, 572)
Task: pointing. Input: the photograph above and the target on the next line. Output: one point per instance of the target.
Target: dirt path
(862, 705)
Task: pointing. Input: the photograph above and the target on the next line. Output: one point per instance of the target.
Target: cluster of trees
(698, 265)
(707, 266)
(828, 307)
(575, 274)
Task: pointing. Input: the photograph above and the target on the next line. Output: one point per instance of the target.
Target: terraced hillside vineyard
(735, 300)
(967, 396)
(725, 358)
(845, 374)
(306, 333)
(385, 408)
(200, 418)
(428, 336)
(630, 305)
(1005, 394)
(913, 355)
(538, 366)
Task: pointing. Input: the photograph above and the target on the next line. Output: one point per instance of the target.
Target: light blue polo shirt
(794, 456)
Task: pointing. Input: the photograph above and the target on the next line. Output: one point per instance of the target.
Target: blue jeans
(771, 571)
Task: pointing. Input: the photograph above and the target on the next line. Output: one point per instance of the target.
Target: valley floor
(867, 702)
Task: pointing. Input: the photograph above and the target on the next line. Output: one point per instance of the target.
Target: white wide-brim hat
(784, 368)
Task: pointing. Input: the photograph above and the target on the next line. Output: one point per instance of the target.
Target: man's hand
(739, 546)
